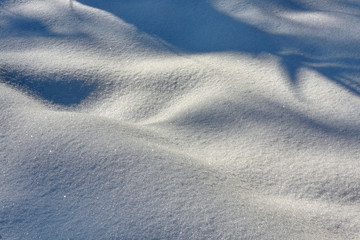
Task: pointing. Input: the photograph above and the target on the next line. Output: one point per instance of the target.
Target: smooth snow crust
(221, 119)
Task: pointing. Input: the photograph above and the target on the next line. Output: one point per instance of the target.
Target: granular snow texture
(169, 119)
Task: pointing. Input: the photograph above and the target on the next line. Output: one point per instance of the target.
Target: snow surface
(169, 119)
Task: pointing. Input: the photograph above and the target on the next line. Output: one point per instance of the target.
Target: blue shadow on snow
(54, 88)
(197, 27)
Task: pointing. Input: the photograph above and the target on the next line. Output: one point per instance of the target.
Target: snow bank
(163, 119)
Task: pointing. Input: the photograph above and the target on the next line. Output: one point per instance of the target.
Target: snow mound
(222, 119)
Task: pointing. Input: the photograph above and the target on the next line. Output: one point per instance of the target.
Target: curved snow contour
(162, 120)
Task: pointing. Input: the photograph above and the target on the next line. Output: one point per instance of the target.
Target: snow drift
(222, 119)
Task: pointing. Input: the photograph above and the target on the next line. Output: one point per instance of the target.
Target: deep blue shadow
(191, 26)
(194, 27)
(344, 71)
(26, 26)
(16, 25)
(55, 88)
(59, 89)
(197, 27)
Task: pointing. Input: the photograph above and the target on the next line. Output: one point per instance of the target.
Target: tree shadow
(17, 25)
(58, 89)
(23, 26)
(190, 26)
(237, 116)
(343, 71)
(197, 27)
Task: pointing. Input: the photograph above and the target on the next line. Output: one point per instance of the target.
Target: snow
(221, 119)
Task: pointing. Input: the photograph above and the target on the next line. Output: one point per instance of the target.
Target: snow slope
(169, 119)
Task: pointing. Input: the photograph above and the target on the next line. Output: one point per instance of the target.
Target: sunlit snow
(169, 119)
